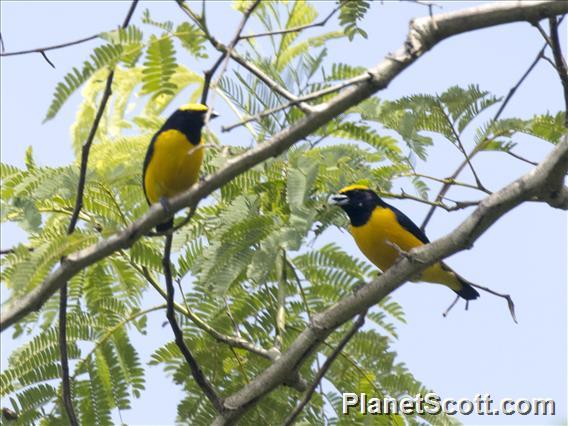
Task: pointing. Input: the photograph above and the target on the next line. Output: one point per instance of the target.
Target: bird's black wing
(147, 159)
(409, 225)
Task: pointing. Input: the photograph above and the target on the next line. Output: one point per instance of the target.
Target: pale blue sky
(524, 254)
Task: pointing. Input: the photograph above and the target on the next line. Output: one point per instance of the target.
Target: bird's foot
(402, 253)
(165, 203)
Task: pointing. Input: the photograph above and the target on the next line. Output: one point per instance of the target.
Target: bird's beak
(338, 200)
(213, 114)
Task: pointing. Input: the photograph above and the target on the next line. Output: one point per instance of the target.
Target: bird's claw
(165, 203)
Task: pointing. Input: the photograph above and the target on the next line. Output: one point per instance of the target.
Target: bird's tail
(466, 291)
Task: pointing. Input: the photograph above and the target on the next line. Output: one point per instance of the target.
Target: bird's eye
(360, 204)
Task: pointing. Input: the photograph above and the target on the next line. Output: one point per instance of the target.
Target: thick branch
(423, 35)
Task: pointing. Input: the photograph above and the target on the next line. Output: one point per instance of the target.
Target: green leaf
(548, 127)
(31, 217)
(29, 160)
(159, 67)
(192, 39)
(102, 56)
(350, 14)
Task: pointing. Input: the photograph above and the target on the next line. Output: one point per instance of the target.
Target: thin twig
(45, 49)
(232, 318)
(461, 146)
(196, 372)
(109, 332)
(262, 76)
(545, 36)
(281, 308)
(323, 370)
(518, 157)
(47, 59)
(306, 305)
(446, 181)
(550, 61)
(297, 29)
(249, 66)
(406, 196)
(426, 3)
(237, 112)
(507, 297)
(66, 386)
(65, 379)
(226, 54)
(447, 311)
(4, 252)
(233, 341)
(560, 62)
(443, 191)
(297, 101)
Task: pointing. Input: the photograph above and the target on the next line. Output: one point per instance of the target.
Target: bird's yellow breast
(377, 237)
(173, 167)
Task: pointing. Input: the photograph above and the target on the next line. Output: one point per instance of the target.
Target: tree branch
(62, 336)
(196, 372)
(225, 53)
(447, 180)
(560, 62)
(298, 101)
(461, 146)
(253, 69)
(47, 48)
(297, 29)
(66, 395)
(459, 205)
(424, 33)
(233, 341)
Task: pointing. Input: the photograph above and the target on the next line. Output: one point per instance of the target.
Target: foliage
(260, 237)
(351, 12)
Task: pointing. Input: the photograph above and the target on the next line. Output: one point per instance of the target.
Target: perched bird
(379, 229)
(174, 156)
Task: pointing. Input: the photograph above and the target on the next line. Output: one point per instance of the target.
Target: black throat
(190, 124)
(361, 206)
(359, 215)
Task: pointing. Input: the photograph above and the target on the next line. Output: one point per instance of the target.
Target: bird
(382, 232)
(174, 156)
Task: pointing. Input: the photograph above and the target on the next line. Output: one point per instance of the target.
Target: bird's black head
(358, 201)
(189, 119)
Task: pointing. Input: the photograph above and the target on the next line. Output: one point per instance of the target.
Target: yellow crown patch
(193, 107)
(353, 188)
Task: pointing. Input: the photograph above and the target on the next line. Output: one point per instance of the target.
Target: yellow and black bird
(174, 156)
(379, 228)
